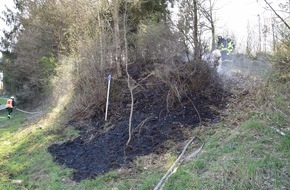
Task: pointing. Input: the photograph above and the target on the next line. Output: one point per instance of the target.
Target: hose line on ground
(28, 111)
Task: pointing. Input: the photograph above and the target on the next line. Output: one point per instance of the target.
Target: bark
(213, 45)
(211, 19)
(195, 34)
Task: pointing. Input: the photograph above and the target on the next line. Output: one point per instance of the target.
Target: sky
(3, 3)
(237, 16)
(233, 16)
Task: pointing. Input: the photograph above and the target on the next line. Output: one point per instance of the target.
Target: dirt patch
(154, 123)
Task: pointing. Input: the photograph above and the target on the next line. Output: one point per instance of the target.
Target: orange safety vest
(9, 103)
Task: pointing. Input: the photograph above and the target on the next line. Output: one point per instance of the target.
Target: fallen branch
(17, 182)
(173, 168)
(142, 123)
(278, 110)
(193, 154)
(279, 131)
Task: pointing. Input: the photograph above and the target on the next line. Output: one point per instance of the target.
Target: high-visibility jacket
(230, 47)
(224, 48)
(9, 103)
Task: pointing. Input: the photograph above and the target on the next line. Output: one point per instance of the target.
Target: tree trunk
(130, 85)
(211, 19)
(213, 45)
(101, 41)
(117, 38)
(195, 33)
(273, 35)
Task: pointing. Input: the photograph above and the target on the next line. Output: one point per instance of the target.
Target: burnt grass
(102, 147)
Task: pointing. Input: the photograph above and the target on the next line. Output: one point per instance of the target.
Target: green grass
(250, 154)
(24, 157)
(17, 119)
(2, 101)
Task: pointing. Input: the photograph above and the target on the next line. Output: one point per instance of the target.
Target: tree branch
(277, 14)
(173, 167)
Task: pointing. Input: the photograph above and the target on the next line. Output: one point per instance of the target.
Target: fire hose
(28, 111)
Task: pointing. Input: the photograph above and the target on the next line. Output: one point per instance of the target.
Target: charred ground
(169, 101)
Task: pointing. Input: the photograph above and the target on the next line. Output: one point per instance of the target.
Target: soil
(102, 147)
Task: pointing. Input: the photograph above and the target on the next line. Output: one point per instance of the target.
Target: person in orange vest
(10, 104)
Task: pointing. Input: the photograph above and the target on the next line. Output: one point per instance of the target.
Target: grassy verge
(26, 164)
(252, 156)
(241, 152)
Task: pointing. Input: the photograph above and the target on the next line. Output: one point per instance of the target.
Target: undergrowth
(243, 151)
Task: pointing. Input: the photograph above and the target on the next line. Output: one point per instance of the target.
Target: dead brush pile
(169, 101)
(160, 89)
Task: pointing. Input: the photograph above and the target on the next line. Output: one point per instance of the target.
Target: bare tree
(195, 32)
(115, 13)
(273, 33)
(260, 36)
(275, 12)
(279, 33)
(130, 86)
(207, 9)
(249, 47)
(188, 26)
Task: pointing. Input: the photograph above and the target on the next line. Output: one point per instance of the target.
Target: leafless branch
(277, 14)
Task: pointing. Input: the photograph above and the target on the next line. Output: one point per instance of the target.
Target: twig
(173, 168)
(145, 78)
(276, 109)
(195, 109)
(142, 123)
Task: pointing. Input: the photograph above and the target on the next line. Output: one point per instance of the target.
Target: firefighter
(224, 51)
(230, 49)
(10, 104)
